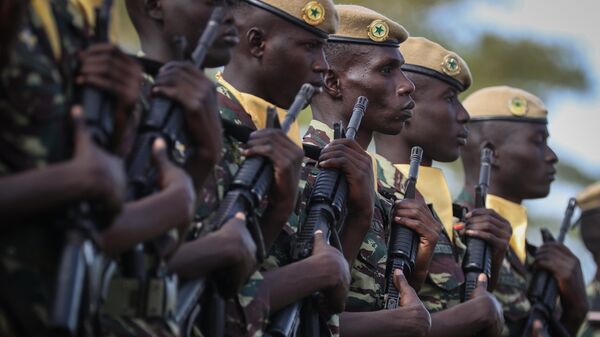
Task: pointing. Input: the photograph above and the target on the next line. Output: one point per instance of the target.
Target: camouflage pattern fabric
(247, 314)
(513, 282)
(36, 91)
(589, 329)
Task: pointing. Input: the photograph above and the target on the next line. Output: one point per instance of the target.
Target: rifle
(79, 275)
(325, 212)
(246, 192)
(478, 258)
(543, 291)
(404, 242)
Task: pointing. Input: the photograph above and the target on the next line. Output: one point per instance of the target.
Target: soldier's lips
(231, 39)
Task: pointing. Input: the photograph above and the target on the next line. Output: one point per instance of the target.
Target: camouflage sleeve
(248, 313)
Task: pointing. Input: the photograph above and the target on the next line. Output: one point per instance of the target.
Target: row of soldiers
(139, 198)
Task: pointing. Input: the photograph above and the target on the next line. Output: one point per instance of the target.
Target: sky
(574, 118)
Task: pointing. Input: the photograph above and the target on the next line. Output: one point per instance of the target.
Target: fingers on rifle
(319, 240)
(482, 281)
(159, 152)
(80, 132)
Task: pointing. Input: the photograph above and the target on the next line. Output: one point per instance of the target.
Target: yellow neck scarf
(517, 217)
(257, 107)
(43, 10)
(434, 188)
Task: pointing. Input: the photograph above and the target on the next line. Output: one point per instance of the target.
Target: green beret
(318, 17)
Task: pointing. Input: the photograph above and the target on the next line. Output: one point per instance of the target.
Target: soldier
(440, 76)
(513, 122)
(48, 161)
(364, 60)
(589, 203)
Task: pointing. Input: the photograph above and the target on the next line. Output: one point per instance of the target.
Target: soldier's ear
(153, 9)
(332, 84)
(255, 37)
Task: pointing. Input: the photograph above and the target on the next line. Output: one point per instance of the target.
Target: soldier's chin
(392, 128)
(218, 57)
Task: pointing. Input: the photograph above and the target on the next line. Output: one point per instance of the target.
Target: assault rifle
(478, 258)
(249, 187)
(402, 249)
(78, 283)
(543, 291)
(326, 212)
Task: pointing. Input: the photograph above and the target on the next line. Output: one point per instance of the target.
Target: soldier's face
(189, 18)
(376, 74)
(524, 163)
(291, 56)
(438, 122)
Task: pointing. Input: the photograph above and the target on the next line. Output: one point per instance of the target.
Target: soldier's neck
(243, 80)
(497, 190)
(398, 151)
(328, 115)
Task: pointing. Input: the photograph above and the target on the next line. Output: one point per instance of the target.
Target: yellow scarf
(318, 125)
(434, 188)
(122, 32)
(257, 107)
(517, 217)
(43, 10)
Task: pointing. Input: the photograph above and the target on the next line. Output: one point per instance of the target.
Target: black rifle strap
(312, 151)
(239, 132)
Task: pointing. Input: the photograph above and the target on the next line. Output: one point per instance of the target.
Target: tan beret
(431, 59)
(319, 17)
(589, 198)
(505, 103)
(365, 26)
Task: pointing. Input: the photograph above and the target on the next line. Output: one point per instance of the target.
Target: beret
(505, 103)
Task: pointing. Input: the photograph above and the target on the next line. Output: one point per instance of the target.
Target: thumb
(482, 282)
(159, 154)
(82, 137)
(238, 218)
(407, 293)
(319, 243)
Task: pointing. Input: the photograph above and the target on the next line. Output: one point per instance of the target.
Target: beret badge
(378, 31)
(313, 13)
(451, 65)
(518, 106)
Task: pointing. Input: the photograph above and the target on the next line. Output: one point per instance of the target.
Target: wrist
(322, 272)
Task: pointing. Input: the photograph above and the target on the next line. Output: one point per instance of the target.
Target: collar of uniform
(43, 10)
(320, 134)
(517, 217)
(256, 108)
(433, 186)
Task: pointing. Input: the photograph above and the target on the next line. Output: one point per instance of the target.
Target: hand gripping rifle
(326, 212)
(478, 258)
(543, 290)
(249, 187)
(403, 244)
(78, 282)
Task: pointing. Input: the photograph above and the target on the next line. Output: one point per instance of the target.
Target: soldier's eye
(386, 70)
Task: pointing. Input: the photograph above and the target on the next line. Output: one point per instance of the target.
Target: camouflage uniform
(593, 293)
(36, 92)
(368, 271)
(247, 314)
(513, 282)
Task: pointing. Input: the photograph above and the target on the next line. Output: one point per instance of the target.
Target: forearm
(573, 317)
(29, 193)
(199, 167)
(147, 219)
(461, 320)
(383, 323)
(424, 256)
(496, 266)
(294, 282)
(199, 258)
(272, 221)
(353, 234)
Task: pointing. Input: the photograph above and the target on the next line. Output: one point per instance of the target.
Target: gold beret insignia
(313, 13)
(378, 30)
(518, 106)
(451, 65)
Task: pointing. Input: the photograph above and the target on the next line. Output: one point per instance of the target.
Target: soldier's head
(514, 123)
(364, 60)
(438, 121)
(189, 18)
(281, 46)
(589, 203)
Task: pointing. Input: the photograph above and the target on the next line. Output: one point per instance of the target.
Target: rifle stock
(478, 258)
(326, 210)
(402, 249)
(543, 290)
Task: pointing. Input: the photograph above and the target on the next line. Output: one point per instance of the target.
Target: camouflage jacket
(591, 327)
(36, 92)
(513, 281)
(247, 314)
